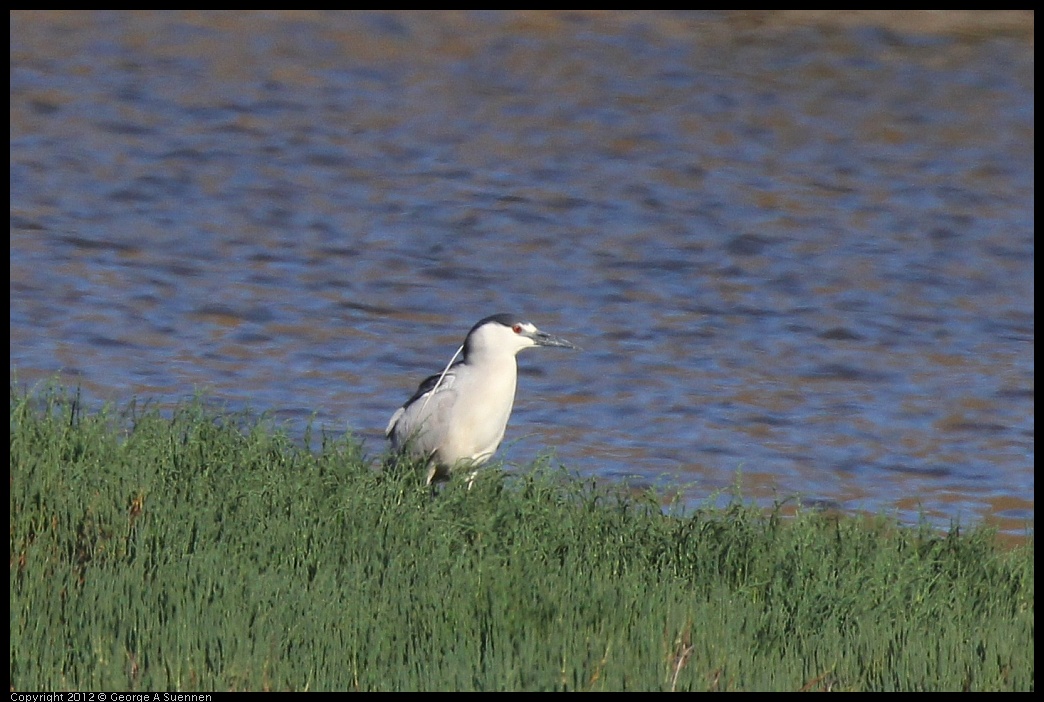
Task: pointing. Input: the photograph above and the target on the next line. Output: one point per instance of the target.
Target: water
(798, 257)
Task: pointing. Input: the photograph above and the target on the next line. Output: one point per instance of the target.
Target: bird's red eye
(517, 328)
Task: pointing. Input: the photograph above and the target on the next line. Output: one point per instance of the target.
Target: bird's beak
(544, 339)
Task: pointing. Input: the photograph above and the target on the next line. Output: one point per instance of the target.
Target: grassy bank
(200, 552)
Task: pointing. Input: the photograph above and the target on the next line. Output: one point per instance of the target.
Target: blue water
(797, 257)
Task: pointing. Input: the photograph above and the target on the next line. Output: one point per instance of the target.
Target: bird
(456, 419)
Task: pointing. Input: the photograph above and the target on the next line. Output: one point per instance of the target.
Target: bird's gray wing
(426, 386)
(427, 394)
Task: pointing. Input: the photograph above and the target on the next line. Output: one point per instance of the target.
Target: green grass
(202, 551)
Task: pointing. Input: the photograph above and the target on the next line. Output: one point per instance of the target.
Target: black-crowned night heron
(456, 419)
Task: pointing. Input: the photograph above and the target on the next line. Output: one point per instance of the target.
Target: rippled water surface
(797, 256)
